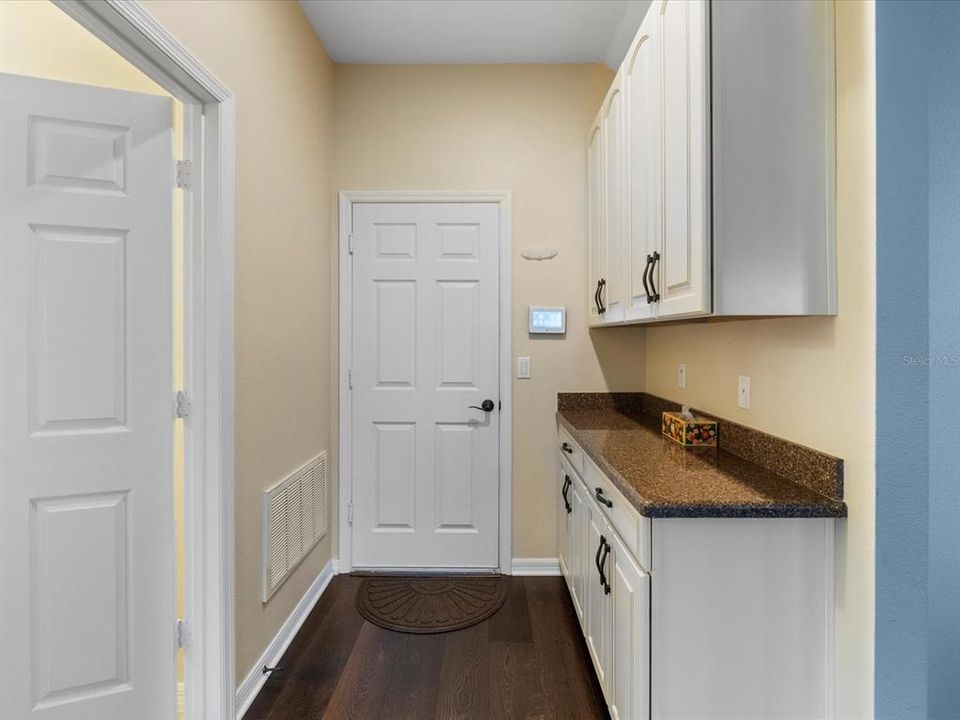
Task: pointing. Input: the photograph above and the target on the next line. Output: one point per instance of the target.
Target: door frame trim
(345, 338)
(209, 142)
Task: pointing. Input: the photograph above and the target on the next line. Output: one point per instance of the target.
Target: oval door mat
(430, 604)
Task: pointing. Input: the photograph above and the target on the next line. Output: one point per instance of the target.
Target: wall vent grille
(294, 520)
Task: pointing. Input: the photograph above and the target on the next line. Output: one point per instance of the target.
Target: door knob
(486, 406)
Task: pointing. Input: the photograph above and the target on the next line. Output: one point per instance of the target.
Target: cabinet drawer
(570, 450)
(634, 529)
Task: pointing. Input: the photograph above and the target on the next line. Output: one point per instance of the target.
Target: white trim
(345, 489)
(536, 566)
(127, 27)
(254, 680)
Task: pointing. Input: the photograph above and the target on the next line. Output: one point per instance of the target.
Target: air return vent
(294, 520)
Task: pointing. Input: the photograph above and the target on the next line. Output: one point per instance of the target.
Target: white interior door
(425, 349)
(86, 496)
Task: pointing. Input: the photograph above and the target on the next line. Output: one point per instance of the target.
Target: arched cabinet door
(595, 222)
(682, 274)
(642, 92)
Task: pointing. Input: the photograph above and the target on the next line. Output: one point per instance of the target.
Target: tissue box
(689, 431)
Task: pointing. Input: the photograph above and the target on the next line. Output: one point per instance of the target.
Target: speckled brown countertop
(621, 434)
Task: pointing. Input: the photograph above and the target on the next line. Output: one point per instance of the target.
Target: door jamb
(345, 487)
(209, 142)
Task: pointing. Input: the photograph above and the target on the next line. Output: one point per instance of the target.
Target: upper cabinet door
(642, 91)
(682, 273)
(613, 293)
(595, 220)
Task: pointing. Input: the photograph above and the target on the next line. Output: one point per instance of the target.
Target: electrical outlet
(682, 375)
(523, 368)
(743, 391)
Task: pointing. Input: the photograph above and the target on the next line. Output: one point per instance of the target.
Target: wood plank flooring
(527, 661)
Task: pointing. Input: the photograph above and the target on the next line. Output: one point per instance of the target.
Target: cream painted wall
(520, 128)
(268, 55)
(812, 379)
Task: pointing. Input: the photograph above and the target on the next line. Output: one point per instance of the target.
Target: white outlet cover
(743, 391)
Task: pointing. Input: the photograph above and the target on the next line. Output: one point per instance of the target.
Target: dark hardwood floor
(527, 661)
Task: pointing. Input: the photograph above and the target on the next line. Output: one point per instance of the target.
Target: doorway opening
(103, 58)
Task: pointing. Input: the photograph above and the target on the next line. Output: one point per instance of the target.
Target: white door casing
(425, 347)
(86, 497)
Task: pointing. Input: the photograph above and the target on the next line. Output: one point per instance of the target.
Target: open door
(86, 502)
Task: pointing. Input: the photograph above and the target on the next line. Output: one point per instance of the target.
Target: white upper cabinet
(612, 294)
(682, 274)
(595, 222)
(642, 89)
(712, 166)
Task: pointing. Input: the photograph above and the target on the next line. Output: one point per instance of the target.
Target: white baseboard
(248, 689)
(536, 566)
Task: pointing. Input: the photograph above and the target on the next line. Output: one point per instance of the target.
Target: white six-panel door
(86, 496)
(426, 338)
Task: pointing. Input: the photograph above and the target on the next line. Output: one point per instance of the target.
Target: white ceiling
(394, 32)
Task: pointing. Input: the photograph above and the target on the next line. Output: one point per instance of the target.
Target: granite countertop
(662, 479)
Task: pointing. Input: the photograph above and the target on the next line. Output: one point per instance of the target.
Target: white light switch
(743, 391)
(523, 368)
(682, 375)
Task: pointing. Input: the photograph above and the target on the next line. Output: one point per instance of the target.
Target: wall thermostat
(548, 320)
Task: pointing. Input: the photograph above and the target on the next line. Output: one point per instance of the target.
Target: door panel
(598, 602)
(631, 640)
(596, 228)
(425, 348)
(615, 199)
(578, 548)
(683, 279)
(642, 90)
(86, 427)
(564, 525)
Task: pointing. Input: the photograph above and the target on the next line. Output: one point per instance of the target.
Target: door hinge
(350, 379)
(182, 630)
(350, 513)
(181, 405)
(350, 243)
(184, 174)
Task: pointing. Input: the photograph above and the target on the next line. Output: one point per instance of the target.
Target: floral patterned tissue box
(689, 432)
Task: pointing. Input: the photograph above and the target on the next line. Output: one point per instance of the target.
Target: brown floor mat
(430, 604)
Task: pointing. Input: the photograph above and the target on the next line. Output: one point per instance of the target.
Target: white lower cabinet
(598, 616)
(698, 618)
(572, 513)
(630, 599)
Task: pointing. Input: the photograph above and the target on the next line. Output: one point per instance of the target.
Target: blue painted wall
(918, 360)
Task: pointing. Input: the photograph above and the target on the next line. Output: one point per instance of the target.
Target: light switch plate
(682, 375)
(523, 368)
(743, 391)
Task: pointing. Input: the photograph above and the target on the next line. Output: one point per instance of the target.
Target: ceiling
(394, 32)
